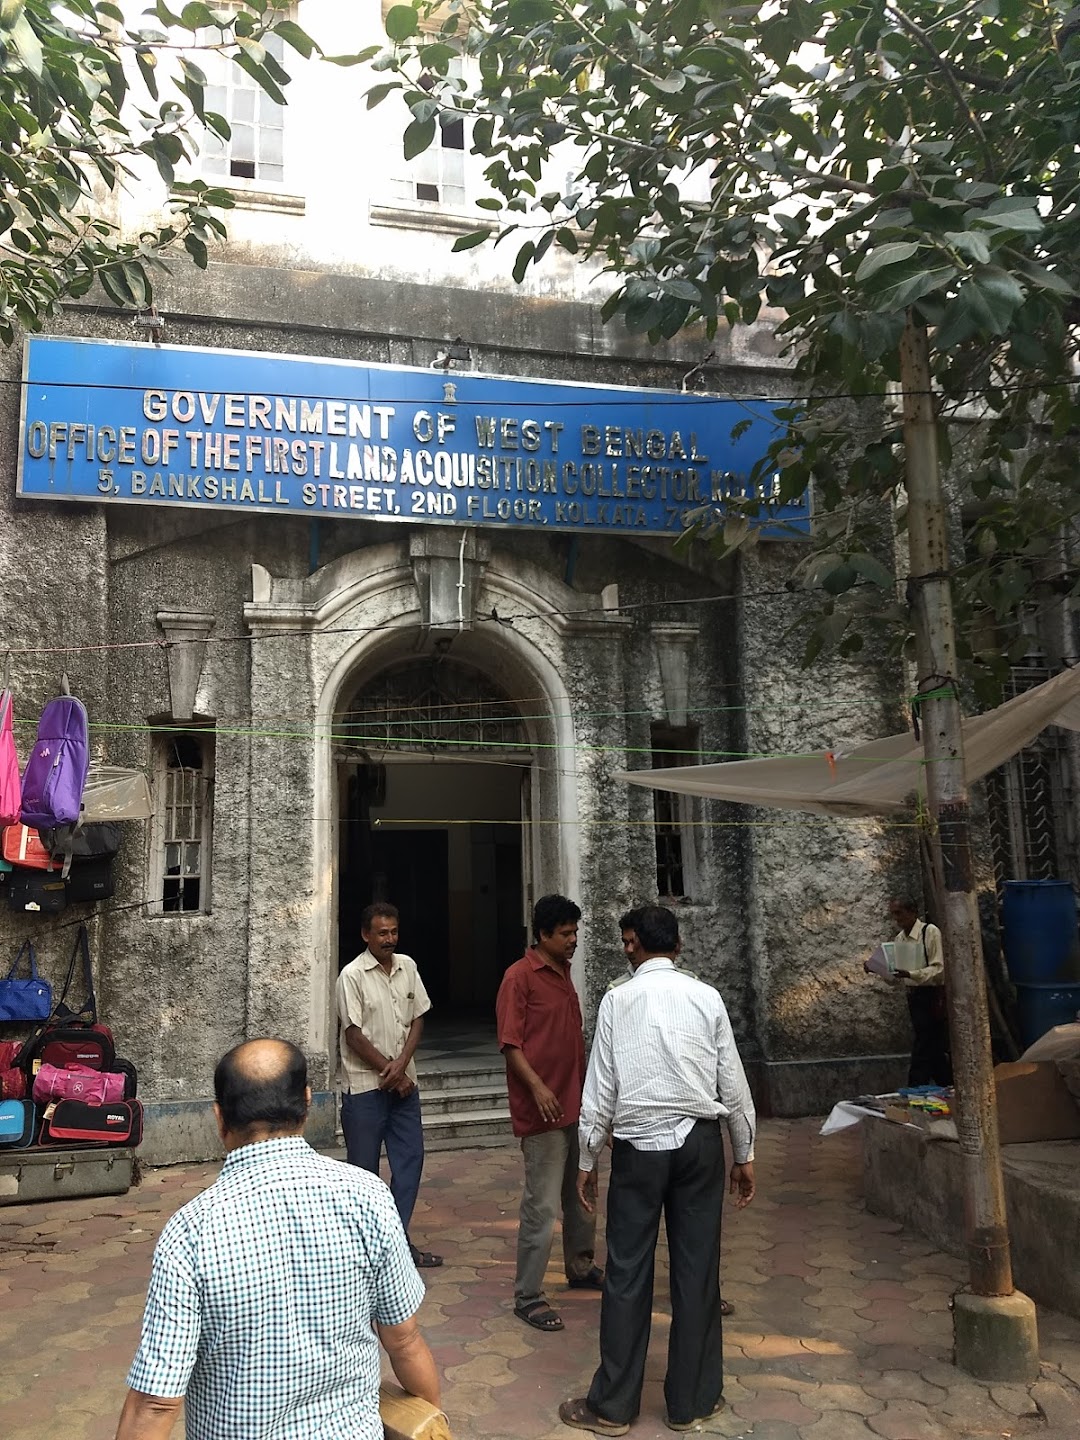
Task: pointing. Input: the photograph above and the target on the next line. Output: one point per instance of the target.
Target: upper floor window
(438, 176)
(184, 781)
(256, 148)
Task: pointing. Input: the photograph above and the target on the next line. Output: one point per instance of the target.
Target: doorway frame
(555, 861)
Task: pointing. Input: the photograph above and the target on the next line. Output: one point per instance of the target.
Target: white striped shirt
(663, 1057)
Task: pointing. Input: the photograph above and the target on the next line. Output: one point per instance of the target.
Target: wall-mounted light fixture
(455, 353)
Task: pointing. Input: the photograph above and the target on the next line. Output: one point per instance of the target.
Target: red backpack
(72, 1037)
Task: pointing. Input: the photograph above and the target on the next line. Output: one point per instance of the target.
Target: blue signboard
(125, 423)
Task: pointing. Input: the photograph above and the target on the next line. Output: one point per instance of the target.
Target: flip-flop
(726, 1307)
(592, 1280)
(540, 1315)
(424, 1259)
(578, 1414)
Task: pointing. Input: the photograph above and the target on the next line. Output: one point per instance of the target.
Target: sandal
(424, 1259)
(578, 1414)
(539, 1314)
(694, 1424)
(726, 1307)
(592, 1280)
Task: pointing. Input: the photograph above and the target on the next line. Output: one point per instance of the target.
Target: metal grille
(436, 705)
(1028, 800)
(186, 815)
(670, 811)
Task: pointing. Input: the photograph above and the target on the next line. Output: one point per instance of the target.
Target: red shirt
(537, 1011)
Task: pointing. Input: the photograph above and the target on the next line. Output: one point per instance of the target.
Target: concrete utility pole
(994, 1326)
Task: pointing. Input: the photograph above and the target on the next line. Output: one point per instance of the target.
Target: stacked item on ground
(65, 1086)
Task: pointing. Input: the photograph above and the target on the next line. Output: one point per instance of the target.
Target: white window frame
(445, 166)
(172, 827)
(241, 93)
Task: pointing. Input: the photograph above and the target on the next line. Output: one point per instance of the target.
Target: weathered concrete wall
(919, 1182)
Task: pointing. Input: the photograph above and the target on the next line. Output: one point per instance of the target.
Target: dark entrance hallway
(442, 842)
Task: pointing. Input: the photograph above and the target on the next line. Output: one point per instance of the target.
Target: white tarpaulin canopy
(881, 776)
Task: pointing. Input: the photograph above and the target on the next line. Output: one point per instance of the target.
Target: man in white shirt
(663, 1073)
(924, 983)
(381, 1004)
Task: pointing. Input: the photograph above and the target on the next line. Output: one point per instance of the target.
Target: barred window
(184, 778)
(672, 813)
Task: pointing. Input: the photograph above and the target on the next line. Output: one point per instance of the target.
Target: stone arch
(520, 667)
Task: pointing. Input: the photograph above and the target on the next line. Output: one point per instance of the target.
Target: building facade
(333, 708)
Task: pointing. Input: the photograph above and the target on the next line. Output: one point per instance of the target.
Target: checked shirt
(262, 1297)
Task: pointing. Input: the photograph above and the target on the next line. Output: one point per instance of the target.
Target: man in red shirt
(540, 1033)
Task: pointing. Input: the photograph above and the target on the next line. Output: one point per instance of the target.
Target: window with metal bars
(672, 813)
(185, 823)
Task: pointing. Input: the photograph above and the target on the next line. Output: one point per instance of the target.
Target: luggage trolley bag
(18, 1124)
(73, 1122)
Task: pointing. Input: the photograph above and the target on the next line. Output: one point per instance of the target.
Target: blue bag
(18, 1124)
(25, 999)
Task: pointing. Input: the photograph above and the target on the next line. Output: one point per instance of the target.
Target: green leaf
(25, 43)
(885, 255)
(293, 35)
(378, 93)
(873, 570)
(970, 244)
(521, 264)
(470, 241)
(418, 136)
(401, 22)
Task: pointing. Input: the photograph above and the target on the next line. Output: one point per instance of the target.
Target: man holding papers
(917, 962)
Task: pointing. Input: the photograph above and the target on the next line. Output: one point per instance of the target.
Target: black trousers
(931, 1063)
(688, 1186)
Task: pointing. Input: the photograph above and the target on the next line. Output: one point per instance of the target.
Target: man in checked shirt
(663, 1073)
(272, 1290)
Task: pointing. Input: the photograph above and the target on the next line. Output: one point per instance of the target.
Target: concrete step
(435, 1081)
(495, 1139)
(471, 1126)
(478, 1097)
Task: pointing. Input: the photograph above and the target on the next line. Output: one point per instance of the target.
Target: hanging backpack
(10, 785)
(72, 1037)
(55, 774)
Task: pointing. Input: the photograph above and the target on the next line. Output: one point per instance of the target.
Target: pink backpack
(10, 785)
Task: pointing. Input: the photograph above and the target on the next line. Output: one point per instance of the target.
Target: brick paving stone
(778, 1405)
(872, 1352)
(1059, 1403)
(838, 1425)
(832, 1395)
(907, 1420)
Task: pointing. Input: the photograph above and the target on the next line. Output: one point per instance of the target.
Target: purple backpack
(55, 774)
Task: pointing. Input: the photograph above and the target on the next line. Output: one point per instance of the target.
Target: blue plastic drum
(1040, 1007)
(1040, 934)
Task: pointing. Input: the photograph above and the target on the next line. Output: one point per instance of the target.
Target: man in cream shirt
(924, 983)
(381, 1003)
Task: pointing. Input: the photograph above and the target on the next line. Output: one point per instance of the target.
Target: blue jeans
(376, 1118)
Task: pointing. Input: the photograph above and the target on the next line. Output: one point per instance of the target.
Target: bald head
(261, 1089)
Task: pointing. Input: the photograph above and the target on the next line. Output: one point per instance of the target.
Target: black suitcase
(37, 891)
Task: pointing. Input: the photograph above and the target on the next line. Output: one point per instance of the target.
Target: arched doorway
(434, 775)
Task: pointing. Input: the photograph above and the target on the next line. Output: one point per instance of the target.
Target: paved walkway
(842, 1329)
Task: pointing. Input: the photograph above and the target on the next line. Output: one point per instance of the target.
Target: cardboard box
(1033, 1103)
